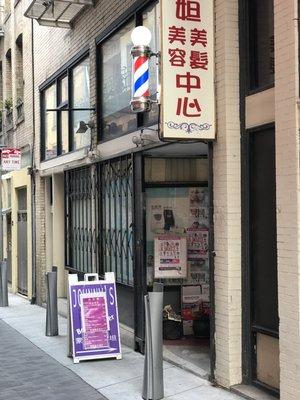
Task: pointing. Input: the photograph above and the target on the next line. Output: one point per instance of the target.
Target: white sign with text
(10, 159)
(188, 101)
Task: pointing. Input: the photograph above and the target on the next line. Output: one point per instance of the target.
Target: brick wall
(288, 196)
(227, 207)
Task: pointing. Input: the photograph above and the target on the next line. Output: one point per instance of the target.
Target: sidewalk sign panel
(10, 159)
(94, 318)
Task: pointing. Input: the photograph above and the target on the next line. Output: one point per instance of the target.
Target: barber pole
(141, 53)
(140, 77)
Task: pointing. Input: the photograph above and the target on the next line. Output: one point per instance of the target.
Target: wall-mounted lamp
(140, 52)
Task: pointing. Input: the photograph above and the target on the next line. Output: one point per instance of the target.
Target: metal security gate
(22, 252)
(116, 202)
(82, 219)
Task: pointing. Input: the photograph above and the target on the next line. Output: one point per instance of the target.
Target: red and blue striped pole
(141, 52)
(140, 76)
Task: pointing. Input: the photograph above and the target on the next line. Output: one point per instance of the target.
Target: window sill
(62, 160)
(260, 89)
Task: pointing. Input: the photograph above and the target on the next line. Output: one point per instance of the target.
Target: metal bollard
(153, 384)
(52, 315)
(3, 284)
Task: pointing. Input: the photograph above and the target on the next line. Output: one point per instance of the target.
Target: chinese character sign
(10, 159)
(188, 104)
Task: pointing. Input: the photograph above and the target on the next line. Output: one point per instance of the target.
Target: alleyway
(34, 366)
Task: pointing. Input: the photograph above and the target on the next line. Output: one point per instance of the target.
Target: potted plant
(8, 105)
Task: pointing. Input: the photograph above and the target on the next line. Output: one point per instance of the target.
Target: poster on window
(197, 244)
(198, 272)
(157, 217)
(170, 256)
(187, 59)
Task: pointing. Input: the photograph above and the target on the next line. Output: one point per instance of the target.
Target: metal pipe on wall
(33, 182)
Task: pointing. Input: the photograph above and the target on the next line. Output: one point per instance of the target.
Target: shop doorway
(22, 242)
(261, 332)
(177, 219)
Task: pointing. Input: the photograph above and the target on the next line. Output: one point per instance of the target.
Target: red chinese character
(183, 106)
(176, 34)
(188, 81)
(188, 10)
(199, 36)
(177, 57)
(198, 60)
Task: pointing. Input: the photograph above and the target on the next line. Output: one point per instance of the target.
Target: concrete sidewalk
(116, 380)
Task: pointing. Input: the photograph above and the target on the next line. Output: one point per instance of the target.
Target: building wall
(14, 25)
(227, 207)
(21, 134)
(288, 195)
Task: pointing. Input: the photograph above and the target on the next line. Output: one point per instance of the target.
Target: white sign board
(10, 159)
(170, 259)
(188, 101)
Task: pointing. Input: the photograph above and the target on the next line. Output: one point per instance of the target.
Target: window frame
(56, 78)
(251, 66)
(135, 13)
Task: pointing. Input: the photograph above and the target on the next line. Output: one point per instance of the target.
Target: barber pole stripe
(141, 77)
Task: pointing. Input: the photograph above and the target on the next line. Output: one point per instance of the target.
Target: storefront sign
(10, 159)
(188, 102)
(94, 318)
(170, 259)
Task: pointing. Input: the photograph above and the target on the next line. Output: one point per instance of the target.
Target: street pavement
(34, 366)
(28, 373)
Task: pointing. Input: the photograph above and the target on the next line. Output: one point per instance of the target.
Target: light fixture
(140, 52)
(141, 36)
(83, 126)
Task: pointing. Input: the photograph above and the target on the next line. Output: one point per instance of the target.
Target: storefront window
(177, 249)
(261, 43)
(116, 86)
(81, 99)
(63, 115)
(116, 77)
(50, 123)
(56, 127)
